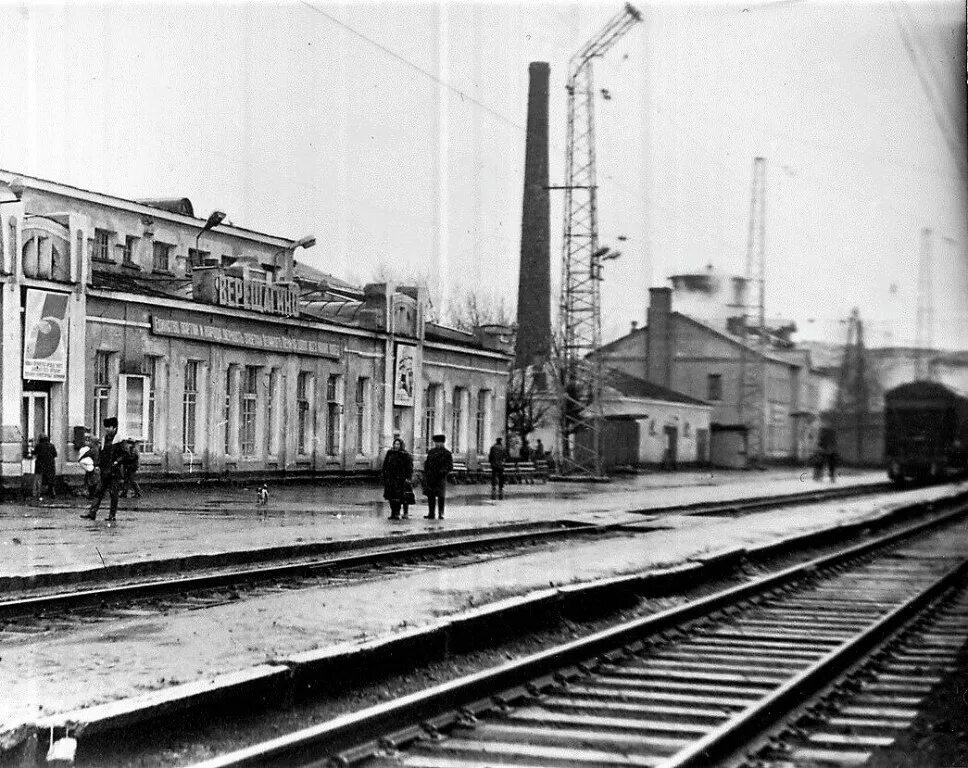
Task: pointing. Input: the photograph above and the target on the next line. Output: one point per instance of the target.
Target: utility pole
(924, 332)
(580, 371)
(753, 399)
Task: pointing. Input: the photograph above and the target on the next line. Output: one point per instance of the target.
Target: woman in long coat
(397, 471)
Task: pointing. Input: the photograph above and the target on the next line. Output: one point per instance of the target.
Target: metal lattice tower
(752, 405)
(924, 332)
(581, 369)
(852, 392)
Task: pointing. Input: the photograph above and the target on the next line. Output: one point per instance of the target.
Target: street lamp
(214, 219)
(303, 242)
(308, 241)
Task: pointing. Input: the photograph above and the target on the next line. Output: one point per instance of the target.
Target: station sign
(216, 334)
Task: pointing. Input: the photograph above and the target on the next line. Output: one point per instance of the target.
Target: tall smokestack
(534, 282)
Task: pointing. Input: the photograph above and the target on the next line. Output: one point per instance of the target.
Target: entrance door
(672, 447)
(34, 422)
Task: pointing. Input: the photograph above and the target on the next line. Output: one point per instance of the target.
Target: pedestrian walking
(45, 466)
(130, 461)
(397, 472)
(109, 466)
(525, 452)
(437, 466)
(826, 455)
(495, 458)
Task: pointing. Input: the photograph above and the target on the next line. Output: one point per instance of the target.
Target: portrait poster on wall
(45, 336)
(403, 375)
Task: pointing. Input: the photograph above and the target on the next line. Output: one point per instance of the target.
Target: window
(149, 369)
(303, 390)
(334, 426)
(481, 421)
(197, 258)
(430, 413)
(127, 250)
(272, 443)
(161, 257)
(714, 386)
(247, 407)
(190, 407)
(101, 245)
(457, 417)
(133, 406)
(362, 416)
(102, 388)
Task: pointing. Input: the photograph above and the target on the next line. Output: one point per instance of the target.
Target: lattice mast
(752, 404)
(852, 393)
(924, 331)
(581, 369)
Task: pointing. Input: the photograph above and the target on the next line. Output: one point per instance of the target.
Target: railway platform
(141, 660)
(49, 538)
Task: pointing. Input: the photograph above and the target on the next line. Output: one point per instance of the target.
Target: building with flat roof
(217, 351)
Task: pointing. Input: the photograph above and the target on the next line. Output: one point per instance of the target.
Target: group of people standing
(398, 475)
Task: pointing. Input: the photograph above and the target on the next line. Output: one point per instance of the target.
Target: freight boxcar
(925, 431)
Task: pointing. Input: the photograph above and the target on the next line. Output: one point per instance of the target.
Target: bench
(483, 471)
(459, 474)
(520, 472)
(541, 470)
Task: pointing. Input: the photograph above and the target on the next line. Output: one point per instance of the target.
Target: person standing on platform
(108, 463)
(495, 458)
(88, 457)
(397, 471)
(539, 452)
(525, 452)
(437, 466)
(45, 466)
(130, 461)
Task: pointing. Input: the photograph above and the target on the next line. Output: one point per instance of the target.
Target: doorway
(671, 455)
(34, 422)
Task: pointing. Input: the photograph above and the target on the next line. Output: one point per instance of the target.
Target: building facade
(703, 361)
(212, 350)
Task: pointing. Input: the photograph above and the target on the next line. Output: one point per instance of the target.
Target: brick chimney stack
(533, 342)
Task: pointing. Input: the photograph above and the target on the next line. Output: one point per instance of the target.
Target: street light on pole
(214, 219)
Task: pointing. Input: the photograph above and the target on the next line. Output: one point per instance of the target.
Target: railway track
(31, 614)
(696, 685)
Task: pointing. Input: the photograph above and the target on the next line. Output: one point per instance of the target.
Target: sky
(394, 132)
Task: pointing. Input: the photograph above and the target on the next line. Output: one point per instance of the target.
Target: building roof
(633, 386)
(156, 207)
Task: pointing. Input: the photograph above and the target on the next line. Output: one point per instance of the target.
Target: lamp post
(214, 219)
(308, 241)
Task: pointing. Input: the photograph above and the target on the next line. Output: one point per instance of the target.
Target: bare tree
(473, 309)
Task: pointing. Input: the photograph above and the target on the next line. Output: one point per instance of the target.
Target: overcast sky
(394, 132)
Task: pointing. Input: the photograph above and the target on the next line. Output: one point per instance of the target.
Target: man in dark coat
(437, 466)
(44, 465)
(525, 452)
(109, 465)
(495, 458)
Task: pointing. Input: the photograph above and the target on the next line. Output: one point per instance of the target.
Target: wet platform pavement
(48, 537)
(147, 659)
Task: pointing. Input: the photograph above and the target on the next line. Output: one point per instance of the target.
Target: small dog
(263, 495)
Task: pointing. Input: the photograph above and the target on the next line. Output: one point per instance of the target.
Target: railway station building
(218, 352)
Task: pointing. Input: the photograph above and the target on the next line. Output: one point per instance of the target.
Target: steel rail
(103, 596)
(354, 735)
(371, 557)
